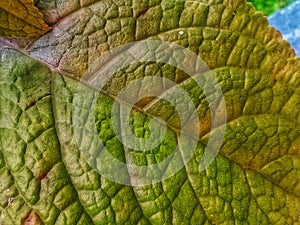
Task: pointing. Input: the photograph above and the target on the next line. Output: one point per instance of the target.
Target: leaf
(253, 180)
(20, 19)
(269, 7)
(79, 39)
(55, 10)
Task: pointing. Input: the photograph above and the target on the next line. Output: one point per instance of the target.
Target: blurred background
(284, 15)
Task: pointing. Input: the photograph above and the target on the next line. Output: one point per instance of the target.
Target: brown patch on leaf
(42, 176)
(32, 219)
(31, 104)
(142, 11)
(143, 102)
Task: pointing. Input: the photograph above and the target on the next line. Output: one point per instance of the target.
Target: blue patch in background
(287, 21)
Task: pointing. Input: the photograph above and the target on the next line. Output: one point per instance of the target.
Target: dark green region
(270, 6)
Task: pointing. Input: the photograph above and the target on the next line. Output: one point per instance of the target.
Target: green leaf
(21, 19)
(270, 6)
(253, 180)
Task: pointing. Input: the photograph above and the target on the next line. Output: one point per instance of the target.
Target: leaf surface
(254, 178)
(21, 19)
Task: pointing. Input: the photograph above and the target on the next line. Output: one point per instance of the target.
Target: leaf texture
(229, 33)
(21, 19)
(254, 178)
